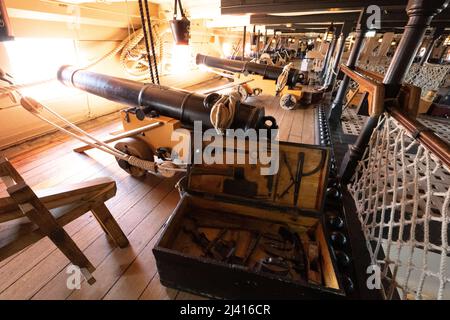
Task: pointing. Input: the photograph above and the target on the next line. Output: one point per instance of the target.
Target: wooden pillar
(243, 42)
(437, 33)
(330, 52)
(420, 15)
(346, 28)
(336, 107)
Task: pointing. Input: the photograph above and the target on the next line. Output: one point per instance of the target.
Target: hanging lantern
(180, 27)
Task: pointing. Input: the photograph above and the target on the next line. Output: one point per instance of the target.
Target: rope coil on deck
(283, 78)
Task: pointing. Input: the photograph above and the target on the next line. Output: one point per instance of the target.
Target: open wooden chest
(237, 234)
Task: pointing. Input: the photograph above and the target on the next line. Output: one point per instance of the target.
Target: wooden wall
(101, 28)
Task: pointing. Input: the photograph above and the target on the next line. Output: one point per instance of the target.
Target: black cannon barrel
(175, 103)
(268, 72)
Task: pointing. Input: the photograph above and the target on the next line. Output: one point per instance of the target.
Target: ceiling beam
(264, 19)
(282, 6)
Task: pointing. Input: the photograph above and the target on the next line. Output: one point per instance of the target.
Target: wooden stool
(26, 217)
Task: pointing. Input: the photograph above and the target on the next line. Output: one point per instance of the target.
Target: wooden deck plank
(309, 127)
(156, 291)
(114, 266)
(134, 280)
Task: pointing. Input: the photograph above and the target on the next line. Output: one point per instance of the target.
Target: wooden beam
(328, 17)
(272, 6)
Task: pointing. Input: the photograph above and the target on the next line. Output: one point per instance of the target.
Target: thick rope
(36, 109)
(223, 112)
(146, 40)
(283, 78)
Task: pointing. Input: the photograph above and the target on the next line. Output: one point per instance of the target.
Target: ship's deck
(141, 207)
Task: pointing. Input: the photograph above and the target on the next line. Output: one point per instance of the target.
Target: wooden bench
(26, 216)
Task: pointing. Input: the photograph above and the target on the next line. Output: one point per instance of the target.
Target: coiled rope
(265, 58)
(283, 78)
(223, 112)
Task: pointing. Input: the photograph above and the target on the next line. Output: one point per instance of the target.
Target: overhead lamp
(180, 27)
(380, 40)
(393, 43)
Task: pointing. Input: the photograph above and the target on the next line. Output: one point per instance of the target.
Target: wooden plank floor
(141, 207)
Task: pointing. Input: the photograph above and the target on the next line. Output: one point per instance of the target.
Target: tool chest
(237, 234)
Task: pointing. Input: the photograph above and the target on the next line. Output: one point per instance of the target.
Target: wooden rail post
(336, 107)
(346, 28)
(330, 52)
(420, 13)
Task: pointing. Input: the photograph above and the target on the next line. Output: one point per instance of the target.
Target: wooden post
(336, 107)
(243, 42)
(346, 28)
(329, 54)
(419, 19)
(438, 32)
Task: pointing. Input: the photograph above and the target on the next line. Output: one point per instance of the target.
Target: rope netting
(427, 77)
(401, 191)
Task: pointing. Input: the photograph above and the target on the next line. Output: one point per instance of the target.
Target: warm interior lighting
(393, 43)
(447, 41)
(248, 48)
(36, 59)
(181, 59)
(371, 34)
(380, 40)
(227, 49)
(329, 34)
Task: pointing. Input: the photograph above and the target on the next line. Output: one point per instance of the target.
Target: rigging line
(152, 44)
(141, 10)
